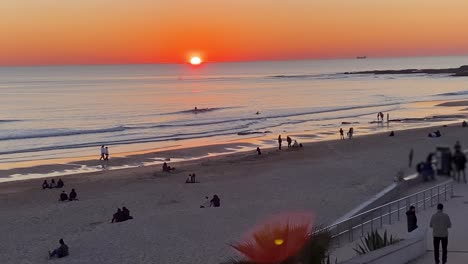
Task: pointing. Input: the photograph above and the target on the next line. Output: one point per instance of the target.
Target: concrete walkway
(457, 209)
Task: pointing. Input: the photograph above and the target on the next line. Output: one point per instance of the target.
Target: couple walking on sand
(104, 153)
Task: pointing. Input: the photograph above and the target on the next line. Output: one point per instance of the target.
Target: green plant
(374, 241)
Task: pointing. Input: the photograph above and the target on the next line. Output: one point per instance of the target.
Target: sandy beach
(326, 178)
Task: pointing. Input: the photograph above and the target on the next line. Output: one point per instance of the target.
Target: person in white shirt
(106, 152)
(103, 152)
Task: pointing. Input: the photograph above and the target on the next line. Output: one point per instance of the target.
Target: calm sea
(69, 111)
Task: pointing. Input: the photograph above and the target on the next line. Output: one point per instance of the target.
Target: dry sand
(327, 178)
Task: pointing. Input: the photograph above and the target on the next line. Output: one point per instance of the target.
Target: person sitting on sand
(259, 152)
(295, 145)
(206, 202)
(118, 216)
(464, 124)
(289, 140)
(52, 184)
(63, 196)
(126, 214)
(167, 168)
(60, 183)
(72, 196)
(392, 134)
(60, 252)
(215, 202)
(45, 185)
(434, 134)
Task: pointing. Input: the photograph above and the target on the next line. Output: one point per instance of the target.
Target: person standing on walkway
(459, 159)
(440, 223)
(411, 153)
(412, 219)
(279, 142)
(341, 133)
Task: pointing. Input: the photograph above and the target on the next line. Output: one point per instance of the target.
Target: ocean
(50, 112)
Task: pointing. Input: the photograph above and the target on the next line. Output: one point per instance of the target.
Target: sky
(45, 32)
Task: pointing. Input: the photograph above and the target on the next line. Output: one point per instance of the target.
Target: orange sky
(152, 31)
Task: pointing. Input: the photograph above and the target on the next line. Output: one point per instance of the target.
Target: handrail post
(381, 217)
(431, 196)
(438, 194)
(398, 212)
(445, 192)
(451, 187)
(424, 200)
(390, 214)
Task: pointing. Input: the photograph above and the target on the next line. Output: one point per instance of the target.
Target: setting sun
(195, 61)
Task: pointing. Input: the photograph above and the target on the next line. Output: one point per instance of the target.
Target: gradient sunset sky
(170, 31)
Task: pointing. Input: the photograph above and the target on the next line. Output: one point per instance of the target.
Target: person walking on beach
(289, 140)
(103, 153)
(106, 152)
(410, 158)
(412, 219)
(350, 132)
(279, 142)
(388, 118)
(440, 223)
(459, 159)
(259, 152)
(341, 133)
(378, 116)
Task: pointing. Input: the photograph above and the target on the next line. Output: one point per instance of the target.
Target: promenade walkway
(457, 209)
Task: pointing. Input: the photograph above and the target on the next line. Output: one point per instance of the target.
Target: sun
(195, 61)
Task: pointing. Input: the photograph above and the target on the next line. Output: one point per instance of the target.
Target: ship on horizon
(361, 57)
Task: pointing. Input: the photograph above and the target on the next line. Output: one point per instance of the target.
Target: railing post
(445, 192)
(390, 214)
(398, 217)
(451, 187)
(424, 200)
(438, 194)
(381, 217)
(431, 196)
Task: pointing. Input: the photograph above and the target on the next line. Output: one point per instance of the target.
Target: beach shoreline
(178, 153)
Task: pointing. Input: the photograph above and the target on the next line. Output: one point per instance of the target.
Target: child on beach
(341, 133)
(279, 142)
(259, 152)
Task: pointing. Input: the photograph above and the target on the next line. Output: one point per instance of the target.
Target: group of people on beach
(214, 202)
(167, 168)
(52, 184)
(349, 134)
(380, 117)
(121, 215)
(104, 153)
(72, 197)
(289, 140)
(191, 178)
(456, 164)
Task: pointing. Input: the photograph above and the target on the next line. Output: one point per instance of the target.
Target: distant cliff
(461, 71)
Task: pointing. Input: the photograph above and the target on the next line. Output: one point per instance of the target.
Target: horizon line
(225, 62)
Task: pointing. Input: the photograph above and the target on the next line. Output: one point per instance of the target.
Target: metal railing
(357, 226)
